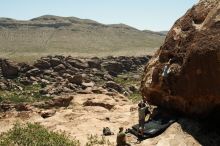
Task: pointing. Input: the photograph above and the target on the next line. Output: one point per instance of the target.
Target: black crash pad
(153, 127)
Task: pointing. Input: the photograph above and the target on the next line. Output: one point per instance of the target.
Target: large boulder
(127, 64)
(77, 63)
(191, 52)
(24, 67)
(94, 63)
(114, 86)
(42, 64)
(59, 67)
(55, 61)
(113, 66)
(33, 72)
(76, 79)
(9, 69)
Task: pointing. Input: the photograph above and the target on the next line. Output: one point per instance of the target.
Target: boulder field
(66, 74)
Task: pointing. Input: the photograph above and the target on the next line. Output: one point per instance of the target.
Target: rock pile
(191, 54)
(59, 74)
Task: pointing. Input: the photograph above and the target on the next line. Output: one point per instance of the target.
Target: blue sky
(143, 14)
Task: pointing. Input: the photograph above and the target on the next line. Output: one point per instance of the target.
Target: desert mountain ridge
(50, 34)
(48, 20)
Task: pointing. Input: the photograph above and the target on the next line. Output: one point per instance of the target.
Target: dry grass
(26, 43)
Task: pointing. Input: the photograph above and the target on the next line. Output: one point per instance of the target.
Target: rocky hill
(69, 35)
(191, 82)
(56, 75)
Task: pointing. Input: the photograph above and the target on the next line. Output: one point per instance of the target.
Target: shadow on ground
(205, 131)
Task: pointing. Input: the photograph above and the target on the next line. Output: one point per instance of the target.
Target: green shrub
(135, 97)
(28, 94)
(94, 140)
(34, 135)
(127, 80)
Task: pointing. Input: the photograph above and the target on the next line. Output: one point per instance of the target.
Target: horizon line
(29, 19)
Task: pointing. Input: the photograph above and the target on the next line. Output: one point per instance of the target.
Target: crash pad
(153, 127)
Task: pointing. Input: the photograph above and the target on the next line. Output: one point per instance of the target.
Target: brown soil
(79, 121)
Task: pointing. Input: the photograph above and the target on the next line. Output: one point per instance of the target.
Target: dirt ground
(79, 121)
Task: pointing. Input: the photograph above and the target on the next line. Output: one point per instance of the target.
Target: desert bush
(94, 140)
(28, 94)
(34, 135)
(127, 80)
(135, 97)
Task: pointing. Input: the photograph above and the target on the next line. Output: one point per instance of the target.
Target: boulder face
(191, 53)
(9, 69)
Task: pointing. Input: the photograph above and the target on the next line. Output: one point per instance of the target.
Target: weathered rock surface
(93, 102)
(47, 113)
(22, 107)
(192, 85)
(61, 74)
(9, 68)
(112, 85)
(80, 120)
(42, 64)
(55, 102)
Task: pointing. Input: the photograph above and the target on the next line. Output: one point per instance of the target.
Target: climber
(165, 75)
(166, 69)
(121, 138)
(143, 110)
